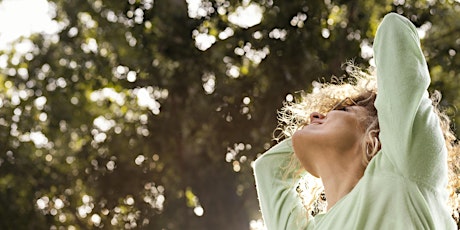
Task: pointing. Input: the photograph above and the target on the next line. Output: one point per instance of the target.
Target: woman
(382, 167)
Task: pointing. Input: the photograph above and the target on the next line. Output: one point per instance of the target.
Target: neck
(340, 177)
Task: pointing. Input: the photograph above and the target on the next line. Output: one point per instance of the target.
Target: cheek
(346, 137)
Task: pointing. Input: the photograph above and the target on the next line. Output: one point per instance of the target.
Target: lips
(316, 123)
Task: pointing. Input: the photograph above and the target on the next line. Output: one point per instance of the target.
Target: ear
(372, 145)
(375, 146)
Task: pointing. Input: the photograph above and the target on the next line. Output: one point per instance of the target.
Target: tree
(148, 114)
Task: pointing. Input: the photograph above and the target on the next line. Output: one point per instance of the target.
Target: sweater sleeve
(409, 129)
(279, 202)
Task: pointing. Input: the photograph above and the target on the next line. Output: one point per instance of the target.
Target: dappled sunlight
(108, 94)
(423, 29)
(233, 71)
(254, 55)
(247, 15)
(209, 82)
(90, 46)
(366, 49)
(203, 41)
(235, 157)
(299, 20)
(147, 98)
(154, 196)
(86, 20)
(103, 124)
(96, 219)
(278, 34)
(325, 32)
(14, 26)
(199, 8)
(228, 32)
(38, 138)
(194, 202)
(139, 159)
(87, 206)
(51, 206)
(257, 225)
(123, 72)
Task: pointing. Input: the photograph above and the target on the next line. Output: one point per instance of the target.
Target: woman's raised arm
(281, 208)
(409, 129)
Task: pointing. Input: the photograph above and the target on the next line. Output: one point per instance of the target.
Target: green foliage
(123, 120)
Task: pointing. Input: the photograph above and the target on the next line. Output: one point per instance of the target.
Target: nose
(316, 116)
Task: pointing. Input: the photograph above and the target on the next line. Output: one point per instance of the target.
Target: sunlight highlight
(246, 16)
(108, 93)
(423, 29)
(103, 123)
(198, 210)
(23, 18)
(146, 99)
(257, 225)
(39, 139)
(203, 41)
(199, 9)
(209, 82)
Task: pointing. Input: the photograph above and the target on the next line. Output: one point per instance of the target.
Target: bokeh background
(148, 114)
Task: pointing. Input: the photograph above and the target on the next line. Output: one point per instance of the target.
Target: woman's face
(329, 137)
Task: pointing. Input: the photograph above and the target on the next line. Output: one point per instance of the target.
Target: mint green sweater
(404, 185)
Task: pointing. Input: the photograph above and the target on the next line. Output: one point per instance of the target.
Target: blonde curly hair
(361, 87)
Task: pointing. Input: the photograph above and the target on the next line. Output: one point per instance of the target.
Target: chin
(296, 140)
(300, 139)
(301, 147)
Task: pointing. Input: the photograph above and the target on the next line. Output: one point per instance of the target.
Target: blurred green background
(147, 114)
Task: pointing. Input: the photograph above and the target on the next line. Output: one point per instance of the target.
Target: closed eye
(342, 106)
